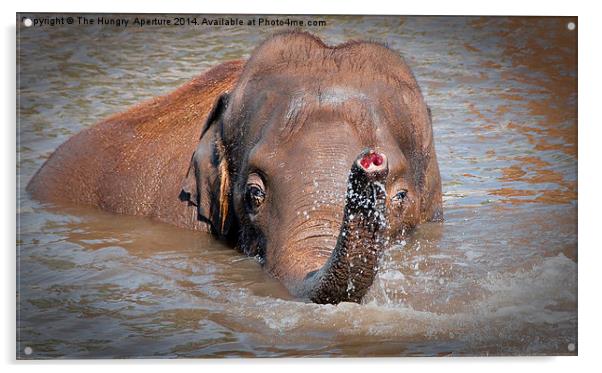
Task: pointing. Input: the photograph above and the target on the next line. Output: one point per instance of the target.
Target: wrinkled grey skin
(348, 273)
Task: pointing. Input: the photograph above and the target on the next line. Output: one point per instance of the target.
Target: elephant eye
(255, 193)
(400, 196)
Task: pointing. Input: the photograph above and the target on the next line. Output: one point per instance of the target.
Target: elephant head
(316, 159)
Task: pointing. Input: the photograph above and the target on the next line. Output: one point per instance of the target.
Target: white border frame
(588, 182)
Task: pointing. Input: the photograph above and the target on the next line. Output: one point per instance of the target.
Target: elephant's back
(133, 162)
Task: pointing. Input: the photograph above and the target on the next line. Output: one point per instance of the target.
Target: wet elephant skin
(280, 137)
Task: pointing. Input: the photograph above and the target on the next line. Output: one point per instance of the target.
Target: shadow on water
(498, 277)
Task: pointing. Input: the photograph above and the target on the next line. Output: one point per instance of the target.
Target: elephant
(311, 157)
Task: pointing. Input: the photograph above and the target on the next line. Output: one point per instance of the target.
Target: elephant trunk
(351, 268)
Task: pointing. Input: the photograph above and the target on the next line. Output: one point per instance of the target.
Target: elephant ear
(207, 182)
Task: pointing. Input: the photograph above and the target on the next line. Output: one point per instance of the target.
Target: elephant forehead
(334, 104)
(333, 96)
(337, 95)
(325, 146)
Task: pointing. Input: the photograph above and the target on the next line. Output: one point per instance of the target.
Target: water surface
(498, 277)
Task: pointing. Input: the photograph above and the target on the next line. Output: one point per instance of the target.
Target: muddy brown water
(498, 277)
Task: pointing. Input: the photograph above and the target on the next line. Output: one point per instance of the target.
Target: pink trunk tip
(372, 158)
